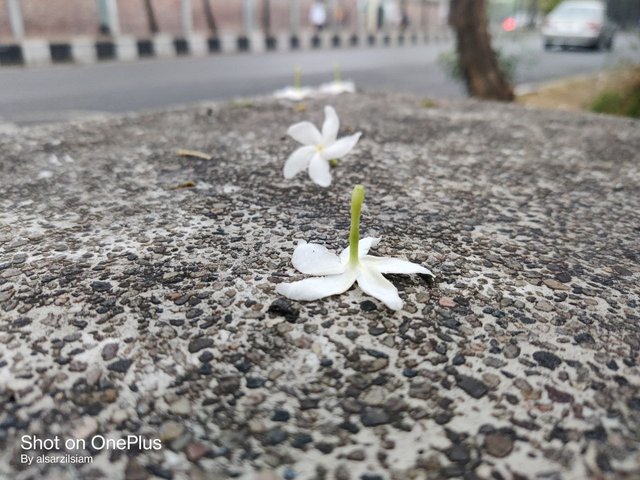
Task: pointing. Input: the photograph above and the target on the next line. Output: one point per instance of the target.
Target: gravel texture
(137, 295)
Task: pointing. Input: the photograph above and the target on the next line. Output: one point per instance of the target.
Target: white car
(578, 24)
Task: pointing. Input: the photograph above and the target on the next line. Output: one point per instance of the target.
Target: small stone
(10, 273)
(555, 284)
(558, 395)
(372, 417)
(368, 306)
(498, 444)
(447, 302)
(325, 447)
(584, 337)
(374, 396)
(283, 308)
(200, 343)
(170, 430)
(280, 416)
(458, 453)
(181, 406)
(109, 351)
(120, 366)
(473, 387)
(511, 351)
(547, 359)
(494, 362)
(101, 286)
(195, 451)
(544, 306)
(357, 455)
(275, 436)
(300, 440)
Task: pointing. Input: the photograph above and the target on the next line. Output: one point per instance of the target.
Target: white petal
(364, 245)
(331, 126)
(298, 161)
(374, 284)
(317, 287)
(341, 147)
(393, 265)
(314, 259)
(305, 133)
(319, 171)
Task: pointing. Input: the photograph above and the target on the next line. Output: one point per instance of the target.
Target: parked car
(581, 23)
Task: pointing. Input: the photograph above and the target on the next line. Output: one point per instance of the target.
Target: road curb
(84, 50)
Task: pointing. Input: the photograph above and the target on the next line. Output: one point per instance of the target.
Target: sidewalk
(137, 295)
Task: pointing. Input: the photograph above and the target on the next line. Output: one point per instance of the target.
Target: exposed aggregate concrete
(128, 306)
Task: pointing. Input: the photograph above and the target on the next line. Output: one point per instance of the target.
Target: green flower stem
(337, 73)
(297, 78)
(357, 199)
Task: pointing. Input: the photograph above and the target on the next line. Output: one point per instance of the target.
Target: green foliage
(618, 103)
(448, 61)
(547, 5)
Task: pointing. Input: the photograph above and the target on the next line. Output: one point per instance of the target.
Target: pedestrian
(318, 15)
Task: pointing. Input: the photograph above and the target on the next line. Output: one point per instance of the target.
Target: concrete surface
(129, 306)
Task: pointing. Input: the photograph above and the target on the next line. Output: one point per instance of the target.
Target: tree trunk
(151, 17)
(266, 17)
(478, 62)
(211, 21)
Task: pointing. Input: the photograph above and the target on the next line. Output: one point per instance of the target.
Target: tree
(208, 13)
(266, 17)
(151, 17)
(478, 62)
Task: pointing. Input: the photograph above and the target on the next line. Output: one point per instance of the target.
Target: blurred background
(63, 59)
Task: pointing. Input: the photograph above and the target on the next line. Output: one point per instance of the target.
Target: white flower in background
(336, 88)
(319, 148)
(354, 264)
(297, 91)
(293, 93)
(338, 85)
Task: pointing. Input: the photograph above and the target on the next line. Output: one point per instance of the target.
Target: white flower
(294, 93)
(297, 91)
(319, 148)
(337, 87)
(354, 264)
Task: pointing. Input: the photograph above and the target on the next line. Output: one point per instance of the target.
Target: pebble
(511, 351)
(171, 430)
(120, 366)
(547, 359)
(372, 417)
(498, 444)
(555, 284)
(447, 302)
(473, 387)
(181, 407)
(101, 286)
(200, 343)
(109, 351)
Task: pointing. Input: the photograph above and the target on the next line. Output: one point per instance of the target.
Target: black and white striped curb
(84, 50)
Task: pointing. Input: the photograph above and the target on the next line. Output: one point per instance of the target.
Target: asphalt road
(35, 95)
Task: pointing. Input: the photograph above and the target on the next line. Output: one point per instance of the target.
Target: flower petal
(317, 287)
(305, 133)
(319, 171)
(393, 265)
(314, 259)
(298, 161)
(363, 248)
(341, 147)
(374, 284)
(331, 126)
